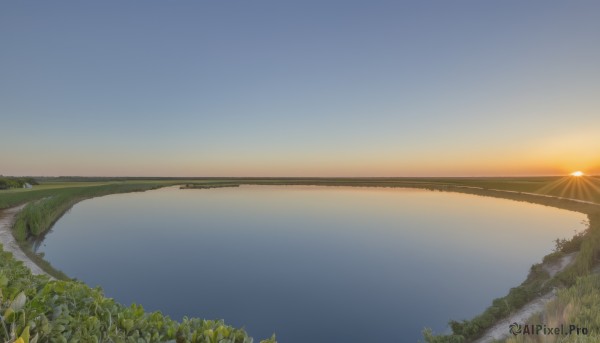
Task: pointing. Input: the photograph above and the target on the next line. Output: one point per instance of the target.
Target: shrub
(37, 309)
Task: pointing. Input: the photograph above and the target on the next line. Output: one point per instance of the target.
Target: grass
(40, 214)
(37, 309)
(537, 283)
(53, 197)
(577, 305)
(109, 321)
(46, 204)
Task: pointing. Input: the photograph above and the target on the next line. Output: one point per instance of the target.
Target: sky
(299, 88)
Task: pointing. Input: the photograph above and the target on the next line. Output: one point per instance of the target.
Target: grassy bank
(36, 309)
(537, 283)
(52, 199)
(46, 205)
(39, 215)
(577, 305)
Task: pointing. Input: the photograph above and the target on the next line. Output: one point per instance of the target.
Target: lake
(312, 264)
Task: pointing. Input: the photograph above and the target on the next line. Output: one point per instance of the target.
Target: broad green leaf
(3, 280)
(7, 314)
(128, 324)
(18, 302)
(25, 334)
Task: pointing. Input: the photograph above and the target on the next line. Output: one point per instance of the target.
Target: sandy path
(500, 329)
(7, 218)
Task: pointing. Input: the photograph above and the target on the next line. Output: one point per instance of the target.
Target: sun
(577, 173)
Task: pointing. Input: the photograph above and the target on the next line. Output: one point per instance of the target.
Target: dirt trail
(7, 218)
(500, 329)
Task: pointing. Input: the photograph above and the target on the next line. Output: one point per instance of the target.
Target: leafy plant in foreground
(35, 309)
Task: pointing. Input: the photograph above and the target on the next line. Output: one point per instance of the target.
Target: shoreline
(500, 330)
(496, 332)
(9, 243)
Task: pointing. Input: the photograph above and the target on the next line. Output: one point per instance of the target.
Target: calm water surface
(313, 264)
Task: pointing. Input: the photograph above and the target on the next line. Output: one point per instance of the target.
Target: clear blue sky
(298, 88)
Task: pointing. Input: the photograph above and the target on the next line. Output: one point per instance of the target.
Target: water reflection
(313, 264)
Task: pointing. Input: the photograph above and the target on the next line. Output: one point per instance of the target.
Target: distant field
(16, 196)
(585, 188)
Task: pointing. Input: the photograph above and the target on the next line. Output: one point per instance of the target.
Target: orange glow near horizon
(327, 163)
(577, 173)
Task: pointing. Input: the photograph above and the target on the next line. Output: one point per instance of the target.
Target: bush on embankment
(537, 283)
(578, 306)
(34, 309)
(39, 216)
(15, 182)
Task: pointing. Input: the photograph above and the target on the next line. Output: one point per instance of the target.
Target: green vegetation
(556, 186)
(39, 310)
(577, 305)
(14, 197)
(39, 215)
(14, 182)
(54, 196)
(35, 309)
(46, 205)
(207, 186)
(537, 283)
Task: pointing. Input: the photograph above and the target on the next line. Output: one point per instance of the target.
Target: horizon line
(288, 177)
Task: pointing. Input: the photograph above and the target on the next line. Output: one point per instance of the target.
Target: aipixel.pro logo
(515, 328)
(542, 329)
